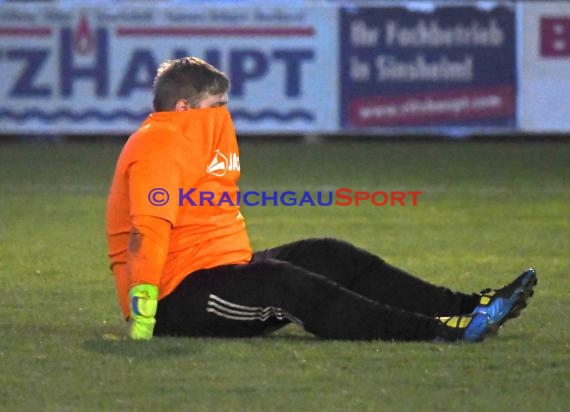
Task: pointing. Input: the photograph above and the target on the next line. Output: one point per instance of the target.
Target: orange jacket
(176, 152)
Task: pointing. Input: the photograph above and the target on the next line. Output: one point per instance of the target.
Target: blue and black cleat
(506, 303)
(468, 328)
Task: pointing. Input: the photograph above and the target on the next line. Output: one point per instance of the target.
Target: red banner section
(555, 36)
(433, 107)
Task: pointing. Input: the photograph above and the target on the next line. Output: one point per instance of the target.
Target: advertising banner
(435, 66)
(545, 75)
(85, 70)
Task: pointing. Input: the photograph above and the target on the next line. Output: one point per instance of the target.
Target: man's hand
(144, 301)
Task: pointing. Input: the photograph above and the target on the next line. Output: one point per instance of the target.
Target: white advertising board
(544, 82)
(89, 70)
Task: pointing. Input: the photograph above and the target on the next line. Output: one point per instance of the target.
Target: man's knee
(330, 246)
(341, 250)
(285, 276)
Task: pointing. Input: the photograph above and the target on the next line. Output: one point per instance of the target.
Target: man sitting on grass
(182, 269)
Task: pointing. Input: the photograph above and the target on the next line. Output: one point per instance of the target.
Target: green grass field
(488, 211)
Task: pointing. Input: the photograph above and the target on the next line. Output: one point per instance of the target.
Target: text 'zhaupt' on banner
(434, 66)
(90, 70)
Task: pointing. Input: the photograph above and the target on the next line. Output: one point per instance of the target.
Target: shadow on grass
(113, 341)
(108, 342)
(154, 349)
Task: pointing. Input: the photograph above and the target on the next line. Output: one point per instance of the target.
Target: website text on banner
(450, 66)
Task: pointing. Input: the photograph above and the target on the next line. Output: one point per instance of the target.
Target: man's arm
(146, 255)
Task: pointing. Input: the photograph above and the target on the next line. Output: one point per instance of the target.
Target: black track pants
(333, 289)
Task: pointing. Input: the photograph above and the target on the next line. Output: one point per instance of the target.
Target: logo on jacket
(220, 164)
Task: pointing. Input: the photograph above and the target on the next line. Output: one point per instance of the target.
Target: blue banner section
(441, 66)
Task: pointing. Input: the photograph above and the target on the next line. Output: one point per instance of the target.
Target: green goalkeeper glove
(144, 301)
